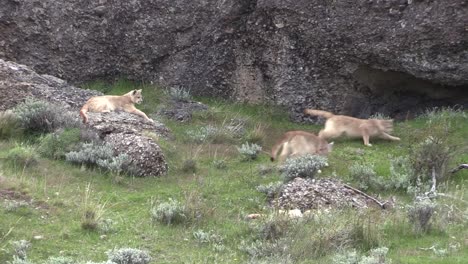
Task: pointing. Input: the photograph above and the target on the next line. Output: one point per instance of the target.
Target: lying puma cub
(338, 125)
(297, 143)
(108, 103)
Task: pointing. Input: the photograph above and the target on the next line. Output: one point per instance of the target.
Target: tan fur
(338, 125)
(297, 143)
(108, 103)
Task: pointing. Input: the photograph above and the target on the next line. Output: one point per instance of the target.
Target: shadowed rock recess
(353, 57)
(123, 130)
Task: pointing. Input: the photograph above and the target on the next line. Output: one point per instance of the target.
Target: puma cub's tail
(83, 115)
(318, 113)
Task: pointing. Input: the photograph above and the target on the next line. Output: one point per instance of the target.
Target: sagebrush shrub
(129, 256)
(56, 145)
(363, 174)
(17, 260)
(101, 155)
(376, 256)
(37, 116)
(22, 155)
(430, 157)
(219, 164)
(202, 134)
(21, 248)
(171, 212)
(249, 151)
(306, 166)
(9, 125)
(13, 205)
(203, 237)
(273, 227)
(400, 172)
(60, 260)
(114, 164)
(271, 189)
(179, 93)
(420, 214)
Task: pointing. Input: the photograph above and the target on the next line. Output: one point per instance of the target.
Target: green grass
(222, 197)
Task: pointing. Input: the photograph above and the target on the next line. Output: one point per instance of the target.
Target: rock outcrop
(125, 131)
(352, 57)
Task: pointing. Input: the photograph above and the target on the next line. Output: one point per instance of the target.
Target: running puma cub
(297, 143)
(108, 103)
(337, 125)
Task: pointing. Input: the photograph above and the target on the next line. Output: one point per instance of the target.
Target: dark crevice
(401, 95)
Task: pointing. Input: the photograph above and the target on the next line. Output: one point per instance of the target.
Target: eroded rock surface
(351, 57)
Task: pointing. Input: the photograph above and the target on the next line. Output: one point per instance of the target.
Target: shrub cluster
(128, 256)
(179, 93)
(101, 155)
(400, 175)
(210, 237)
(37, 116)
(306, 166)
(9, 125)
(57, 144)
(420, 214)
(22, 155)
(249, 151)
(171, 212)
(271, 190)
(376, 256)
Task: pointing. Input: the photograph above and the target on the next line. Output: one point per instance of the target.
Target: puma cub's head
(136, 96)
(325, 148)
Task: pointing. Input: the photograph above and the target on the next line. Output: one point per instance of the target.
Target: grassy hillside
(81, 212)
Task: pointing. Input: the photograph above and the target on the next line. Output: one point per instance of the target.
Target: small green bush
(128, 256)
(37, 116)
(22, 155)
(172, 212)
(249, 151)
(9, 125)
(306, 166)
(189, 165)
(56, 145)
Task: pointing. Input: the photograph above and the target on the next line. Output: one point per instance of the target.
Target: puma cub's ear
(134, 92)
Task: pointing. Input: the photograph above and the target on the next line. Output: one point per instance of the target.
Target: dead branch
(381, 204)
(460, 167)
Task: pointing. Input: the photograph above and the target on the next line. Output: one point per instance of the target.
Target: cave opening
(401, 95)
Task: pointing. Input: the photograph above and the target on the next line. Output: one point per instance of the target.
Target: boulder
(146, 157)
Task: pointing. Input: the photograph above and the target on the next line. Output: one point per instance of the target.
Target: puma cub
(337, 125)
(297, 143)
(108, 103)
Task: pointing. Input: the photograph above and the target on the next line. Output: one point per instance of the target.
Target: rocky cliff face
(354, 57)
